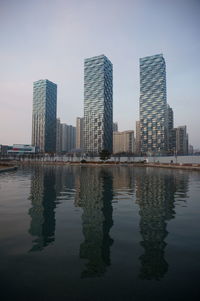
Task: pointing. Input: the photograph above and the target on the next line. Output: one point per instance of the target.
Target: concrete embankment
(186, 166)
(195, 167)
(4, 168)
(175, 166)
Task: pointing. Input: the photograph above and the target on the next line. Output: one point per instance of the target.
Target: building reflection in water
(155, 195)
(124, 181)
(92, 189)
(94, 195)
(42, 212)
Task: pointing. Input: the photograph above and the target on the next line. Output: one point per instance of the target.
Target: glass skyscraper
(98, 104)
(44, 115)
(153, 105)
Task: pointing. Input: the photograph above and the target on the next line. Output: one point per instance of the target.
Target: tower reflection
(95, 197)
(155, 195)
(42, 212)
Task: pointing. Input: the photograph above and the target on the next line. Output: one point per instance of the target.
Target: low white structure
(22, 149)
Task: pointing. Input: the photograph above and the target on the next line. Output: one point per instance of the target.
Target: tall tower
(44, 115)
(153, 105)
(98, 104)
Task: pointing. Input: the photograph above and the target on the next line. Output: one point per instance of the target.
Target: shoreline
(194, 167)
(8, 168)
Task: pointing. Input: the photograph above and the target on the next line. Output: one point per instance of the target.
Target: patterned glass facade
(153, 104)
(44, 115)
(98, 104)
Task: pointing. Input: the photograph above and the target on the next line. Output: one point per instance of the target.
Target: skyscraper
(153, 105)
(44, 115)
(98, 104)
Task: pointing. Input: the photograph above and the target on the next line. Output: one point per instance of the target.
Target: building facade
(138, 140)
(98, 104)
(79, 132)
(153, 105)
(44, 115)
(170, 118)
(115, 127)
(123, 142)
(58, 136)
(4, 149)
(22, 149)
(68, 138)
(181, 140)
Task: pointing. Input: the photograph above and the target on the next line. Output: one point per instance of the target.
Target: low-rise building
(4, 149)
(22, 149)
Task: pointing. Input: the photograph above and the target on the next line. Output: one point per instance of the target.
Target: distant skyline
(50, 39)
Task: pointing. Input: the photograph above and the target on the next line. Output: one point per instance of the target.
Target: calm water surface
(99, 233)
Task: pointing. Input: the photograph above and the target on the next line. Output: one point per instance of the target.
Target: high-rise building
(123, 142)
(58, 136)
(153, 105)
(181, 140)
(44, 115)
(138, 140)
(68, 137)
(115, 127)
(170, 119)
(79, 132)
(98, 104)
(190, 150)
(173, 141)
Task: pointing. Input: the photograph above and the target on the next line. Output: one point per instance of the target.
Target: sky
(48, 39)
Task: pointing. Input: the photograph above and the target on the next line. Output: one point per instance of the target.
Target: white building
(21, 149)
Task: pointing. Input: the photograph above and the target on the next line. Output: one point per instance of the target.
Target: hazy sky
(49, 39)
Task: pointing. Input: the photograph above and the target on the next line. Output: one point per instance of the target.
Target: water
(99, 233)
